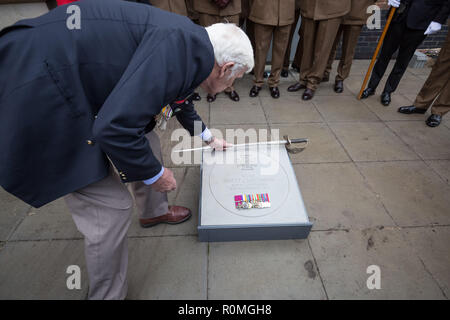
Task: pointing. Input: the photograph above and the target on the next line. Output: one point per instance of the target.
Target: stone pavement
(375, 183)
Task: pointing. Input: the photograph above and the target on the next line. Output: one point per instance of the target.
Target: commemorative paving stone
(250, 193)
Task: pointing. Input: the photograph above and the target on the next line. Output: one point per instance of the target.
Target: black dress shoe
(233, 95)
(295, 67)
(367, 93)
(385, 98)
(295, 87)
(196, 96)
(284, 73)
(254, 91)
(339, 86)
(326, 78)
(411, 109)
(274, 92)
(266, 74)
(211, 98)
(434, 120)
(308, 94)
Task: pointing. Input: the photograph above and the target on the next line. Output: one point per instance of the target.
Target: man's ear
(225, 68)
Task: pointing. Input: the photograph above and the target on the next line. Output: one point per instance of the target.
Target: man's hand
(219, 144)
(394, 3)
(433, 28)
(166, 182)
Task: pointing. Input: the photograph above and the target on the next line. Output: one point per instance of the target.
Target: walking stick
(374, 58)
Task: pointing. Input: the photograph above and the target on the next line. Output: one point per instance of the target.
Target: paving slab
(52, 221)
(429, 143)
(343, 108)
(37, 269)
(442, 168)
(167, 268)
(371, 141)
(410, 85)
(263, 270)
(343, 259)
(12, 211)
(413, 194)
(290, 110)
(337, 197)
(248, 111)
(11, 13)
(323, 145)
(431, 246)
(187, 193)
(390, 113)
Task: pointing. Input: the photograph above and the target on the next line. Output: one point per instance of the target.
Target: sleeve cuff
(206, 135)
(153, 180)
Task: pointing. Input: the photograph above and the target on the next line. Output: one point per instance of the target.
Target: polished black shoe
(385, 98)
(211, 98)
(308, 94)
(295, 67)
(339, 86)
(434, 120)
(284, 73)
(196, 96)
(326, 78)
(367, 93)
(233, 95)
(274, 92)
(411, 109)
(254, 91)
(266, 74)
(295, 87)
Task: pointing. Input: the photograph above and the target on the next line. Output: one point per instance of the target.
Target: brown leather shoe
(295, 87)
(308, 94)
(175, 215)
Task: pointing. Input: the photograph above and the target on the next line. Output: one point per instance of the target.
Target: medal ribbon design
(248, 201)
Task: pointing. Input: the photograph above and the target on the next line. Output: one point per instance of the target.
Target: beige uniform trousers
(102, 213)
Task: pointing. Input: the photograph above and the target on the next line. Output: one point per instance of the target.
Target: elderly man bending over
(77, 100)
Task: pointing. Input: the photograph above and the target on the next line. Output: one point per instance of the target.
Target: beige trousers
(102, 213)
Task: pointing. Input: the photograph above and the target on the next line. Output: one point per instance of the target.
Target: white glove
(394, 3)
(219, 144)
(433, 28)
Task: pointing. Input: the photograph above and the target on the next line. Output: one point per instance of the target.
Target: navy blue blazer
(420, 13)
(71, 99)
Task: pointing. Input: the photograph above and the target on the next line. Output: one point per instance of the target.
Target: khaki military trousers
(437, 86)
(350, 35)
(206, 20)
(102, 213)
(263, 37)
(318, 39)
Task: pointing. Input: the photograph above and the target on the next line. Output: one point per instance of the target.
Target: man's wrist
(155, 178)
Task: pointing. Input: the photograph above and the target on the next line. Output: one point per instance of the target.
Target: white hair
(231, 44)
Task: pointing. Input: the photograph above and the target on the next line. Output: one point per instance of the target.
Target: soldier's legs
(442, 104)
(150, 203)
(279, 45)
(327, 72)
(263, 36)
(435, 82)
(349, 42)
(102, 213)
(308, 41)
(409, 42)
(325, 36)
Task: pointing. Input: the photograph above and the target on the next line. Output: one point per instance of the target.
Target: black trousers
(406, 40)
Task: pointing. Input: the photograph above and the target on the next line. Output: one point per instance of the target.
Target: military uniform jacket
(175, 6)
(273, 12)
(358, 14)
(71, 99)
(209, 7)
(325, 9)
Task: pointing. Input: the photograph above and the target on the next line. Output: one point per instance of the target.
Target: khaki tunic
(273, 12)
(175, 6)
(209, 7)
(325, 9)
(358, 14)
